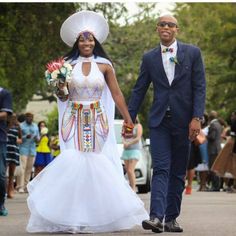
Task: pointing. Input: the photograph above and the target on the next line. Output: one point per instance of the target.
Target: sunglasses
(164, 23)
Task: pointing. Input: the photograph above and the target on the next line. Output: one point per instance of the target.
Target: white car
(143, 167)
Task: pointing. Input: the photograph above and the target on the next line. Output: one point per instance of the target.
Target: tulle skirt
(82, 193)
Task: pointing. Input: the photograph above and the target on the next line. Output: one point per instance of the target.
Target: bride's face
(86, 44)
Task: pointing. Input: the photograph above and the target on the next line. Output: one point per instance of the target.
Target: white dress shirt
(169, 66)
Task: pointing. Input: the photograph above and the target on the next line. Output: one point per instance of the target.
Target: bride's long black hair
(98, 50)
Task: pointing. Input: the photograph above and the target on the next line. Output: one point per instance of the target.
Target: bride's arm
(117, 95)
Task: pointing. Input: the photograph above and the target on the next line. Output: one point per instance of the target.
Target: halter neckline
(88, 59)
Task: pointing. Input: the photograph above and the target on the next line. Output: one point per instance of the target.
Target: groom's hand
(127, 130)
(194, 129)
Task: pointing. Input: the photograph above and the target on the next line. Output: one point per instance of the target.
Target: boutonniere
(174, 60)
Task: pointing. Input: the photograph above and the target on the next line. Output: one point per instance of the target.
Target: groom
(177, 73)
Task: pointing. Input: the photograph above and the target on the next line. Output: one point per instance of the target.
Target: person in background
(30, 136)
(225, 131)
(194, 160)
(214, 147)
(177, 74)
(225, 183)
(225, 163)
(21, 118)
(233, 125)
(5, 109)
(43, 155)
(41, 124)
(14, 136)
(203, 167)
(132, 152)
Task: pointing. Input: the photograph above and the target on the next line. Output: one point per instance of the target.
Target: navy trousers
(170, 149)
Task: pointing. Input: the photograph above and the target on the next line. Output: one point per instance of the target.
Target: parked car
(143, 167)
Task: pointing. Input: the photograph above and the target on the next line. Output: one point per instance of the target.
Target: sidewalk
(203, 214)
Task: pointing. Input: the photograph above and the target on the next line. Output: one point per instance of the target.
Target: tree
(212, 26)
(29, 38)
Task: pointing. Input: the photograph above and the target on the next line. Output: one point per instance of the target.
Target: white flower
(68, 66)
(63, 70)
(47, 73)
(54, 74)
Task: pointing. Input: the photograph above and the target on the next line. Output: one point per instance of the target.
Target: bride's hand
(62, 91)
(61, 86)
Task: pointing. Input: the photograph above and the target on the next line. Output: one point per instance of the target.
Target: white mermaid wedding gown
(83, 190)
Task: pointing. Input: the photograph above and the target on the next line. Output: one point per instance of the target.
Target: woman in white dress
(83, 189)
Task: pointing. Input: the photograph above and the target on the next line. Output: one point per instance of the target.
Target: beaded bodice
(86, 88)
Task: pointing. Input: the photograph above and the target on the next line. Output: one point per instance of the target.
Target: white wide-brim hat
(84, 21)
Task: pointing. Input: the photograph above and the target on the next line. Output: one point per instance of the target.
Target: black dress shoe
(153, 224)
(173, 226)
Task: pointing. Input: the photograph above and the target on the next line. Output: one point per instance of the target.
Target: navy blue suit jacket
(186, 94)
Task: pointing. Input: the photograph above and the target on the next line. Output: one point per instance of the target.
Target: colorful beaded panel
(90, 124)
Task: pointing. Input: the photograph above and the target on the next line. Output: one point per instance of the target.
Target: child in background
(132, 152)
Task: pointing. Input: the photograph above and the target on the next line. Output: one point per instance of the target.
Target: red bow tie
(168, 50)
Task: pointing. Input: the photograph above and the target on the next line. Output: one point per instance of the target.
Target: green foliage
(112, 11)
(212, 27)
(29, 38)
(52, 121)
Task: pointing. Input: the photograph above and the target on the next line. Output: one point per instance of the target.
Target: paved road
(203, 214)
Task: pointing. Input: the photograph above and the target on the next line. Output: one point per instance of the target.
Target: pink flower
(55, 65)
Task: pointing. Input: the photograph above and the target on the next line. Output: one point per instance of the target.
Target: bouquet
(57, 72)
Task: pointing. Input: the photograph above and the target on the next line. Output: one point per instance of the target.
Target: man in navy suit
(177, 74)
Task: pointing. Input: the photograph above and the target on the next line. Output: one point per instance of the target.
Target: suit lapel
(180, 59)
(159, 65)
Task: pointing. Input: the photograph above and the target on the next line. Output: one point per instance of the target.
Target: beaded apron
(90, 123)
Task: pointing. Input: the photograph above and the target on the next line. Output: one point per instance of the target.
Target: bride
(83, 190)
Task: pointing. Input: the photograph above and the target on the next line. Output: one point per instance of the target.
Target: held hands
(127, 130)
(194, 129)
